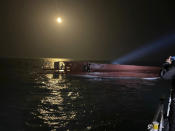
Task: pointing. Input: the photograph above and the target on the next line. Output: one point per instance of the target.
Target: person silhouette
(168, 73)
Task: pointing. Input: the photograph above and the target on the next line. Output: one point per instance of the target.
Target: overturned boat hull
(105, 70)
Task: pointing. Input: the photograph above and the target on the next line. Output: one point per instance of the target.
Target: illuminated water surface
(35, 100)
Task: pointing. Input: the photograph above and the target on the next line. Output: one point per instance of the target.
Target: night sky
(91, 29)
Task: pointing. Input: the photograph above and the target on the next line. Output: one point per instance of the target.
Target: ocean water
(32, 100)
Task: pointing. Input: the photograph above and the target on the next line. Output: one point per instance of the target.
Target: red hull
(106, 70)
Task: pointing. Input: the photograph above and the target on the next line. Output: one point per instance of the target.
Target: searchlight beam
(146, 49)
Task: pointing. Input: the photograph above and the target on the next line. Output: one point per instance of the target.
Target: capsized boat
(88, 69)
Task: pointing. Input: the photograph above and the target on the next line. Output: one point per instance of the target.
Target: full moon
(59, 20)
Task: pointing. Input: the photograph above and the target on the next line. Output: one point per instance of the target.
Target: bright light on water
(49, 62)
(52, 101)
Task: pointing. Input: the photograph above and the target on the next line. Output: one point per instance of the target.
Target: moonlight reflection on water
(52, 108)
(38, 101)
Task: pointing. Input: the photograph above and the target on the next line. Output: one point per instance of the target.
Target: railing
(158, 120)
(160, 123)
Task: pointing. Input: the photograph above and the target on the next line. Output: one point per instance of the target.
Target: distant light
(59, 20)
